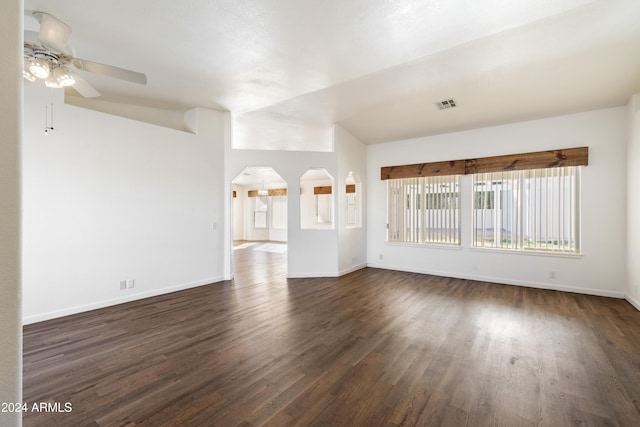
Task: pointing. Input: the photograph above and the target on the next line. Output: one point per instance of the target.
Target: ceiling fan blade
(53, 32)
(84, 88)
(110, 71)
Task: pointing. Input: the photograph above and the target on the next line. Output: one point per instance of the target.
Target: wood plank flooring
(373, 348)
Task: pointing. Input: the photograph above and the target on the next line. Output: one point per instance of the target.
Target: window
(424, 210)
(323, 208)
(351, 210)
(260, 212)
(533, 209)
(279, 211)
(353, 200)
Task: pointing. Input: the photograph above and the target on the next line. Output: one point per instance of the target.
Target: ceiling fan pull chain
(48, 116)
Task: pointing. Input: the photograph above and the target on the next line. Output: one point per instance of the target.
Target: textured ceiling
(256, 178)
(289, 69)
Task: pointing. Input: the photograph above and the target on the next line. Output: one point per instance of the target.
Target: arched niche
(316, 199)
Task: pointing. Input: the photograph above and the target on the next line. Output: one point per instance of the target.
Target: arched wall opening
(259, 221)
(317, 200)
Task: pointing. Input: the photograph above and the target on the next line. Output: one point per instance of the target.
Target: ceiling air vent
(446, 104)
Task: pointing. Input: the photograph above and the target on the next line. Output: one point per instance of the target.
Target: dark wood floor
(373, 348)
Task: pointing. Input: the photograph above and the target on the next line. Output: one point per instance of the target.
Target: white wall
(310, 253)
(352, 157)
(174, 119)
(633, 202)
(108, 199)
(601, 270)
(11, 13)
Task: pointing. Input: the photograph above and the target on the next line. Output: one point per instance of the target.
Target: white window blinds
(424, 210)
(534, 209)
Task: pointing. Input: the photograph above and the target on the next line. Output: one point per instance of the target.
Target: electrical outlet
(123, 284)
(130, 283)
(380, 257)
(552, 275)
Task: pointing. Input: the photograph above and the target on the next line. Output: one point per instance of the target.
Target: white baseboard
(311, 275)
(633, 302)
(115, 301)
(503, 281)
(352, 269)
(332, 274)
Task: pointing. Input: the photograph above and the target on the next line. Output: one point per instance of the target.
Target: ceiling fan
(47, 57)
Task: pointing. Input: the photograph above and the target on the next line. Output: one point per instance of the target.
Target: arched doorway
(259, 218)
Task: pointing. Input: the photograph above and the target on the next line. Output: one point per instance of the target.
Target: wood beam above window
(538, 160)
(270, 192)
(535, 160)
(326, 189)
(278, 192)
(454, 167)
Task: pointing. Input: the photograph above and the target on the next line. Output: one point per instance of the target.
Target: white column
(11, 23)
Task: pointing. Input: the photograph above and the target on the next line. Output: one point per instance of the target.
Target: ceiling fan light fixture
(263, 191)
(27, 75)
(39, 68)
(63, 76)
(48, 57)
(52, 82)
(25, 71)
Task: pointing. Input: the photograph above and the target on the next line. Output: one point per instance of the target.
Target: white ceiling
(289, 69)
(257, 177)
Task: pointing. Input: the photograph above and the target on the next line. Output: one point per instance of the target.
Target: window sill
(528, 252)
(487, 250)
(425, 245)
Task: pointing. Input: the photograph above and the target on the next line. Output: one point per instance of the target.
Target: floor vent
(446, 104)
